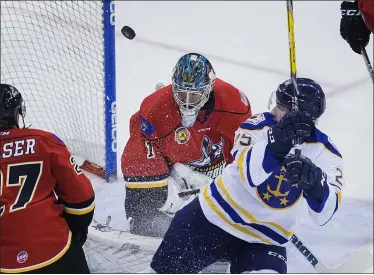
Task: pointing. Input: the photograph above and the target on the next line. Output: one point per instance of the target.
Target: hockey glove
(78, 225)
(81, 236)
(280, 136)
(183, 186)
(312, 179)
(352, 26)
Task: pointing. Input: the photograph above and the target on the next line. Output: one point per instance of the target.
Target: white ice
(247, 43)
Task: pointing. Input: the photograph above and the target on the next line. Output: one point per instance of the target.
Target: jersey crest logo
(182, 135)
(212, 161)
(256, 119)
(277, 193)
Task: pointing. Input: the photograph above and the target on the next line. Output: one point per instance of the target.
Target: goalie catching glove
(184, 185)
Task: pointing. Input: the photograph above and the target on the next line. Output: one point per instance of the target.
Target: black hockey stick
(188, 193)
(367, 63)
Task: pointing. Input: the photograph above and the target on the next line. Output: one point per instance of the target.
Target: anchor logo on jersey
(213, 160)
(277, 193)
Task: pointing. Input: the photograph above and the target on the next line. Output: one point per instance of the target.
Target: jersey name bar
(18, 148)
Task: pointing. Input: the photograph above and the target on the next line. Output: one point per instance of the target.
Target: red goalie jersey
(35, 229)
(158, 140)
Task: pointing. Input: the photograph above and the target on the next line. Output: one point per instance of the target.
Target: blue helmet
(311, 98)
(192, 81)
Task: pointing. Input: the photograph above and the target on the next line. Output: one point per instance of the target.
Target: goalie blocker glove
(280, 136)
(352, 26)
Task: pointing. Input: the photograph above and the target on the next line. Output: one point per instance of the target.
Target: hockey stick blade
(356, 262)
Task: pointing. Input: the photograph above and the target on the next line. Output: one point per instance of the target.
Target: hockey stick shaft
(292, 54)
(292, 50)
(305, 251)
(188, 193)
(308, 255)
(367, 63)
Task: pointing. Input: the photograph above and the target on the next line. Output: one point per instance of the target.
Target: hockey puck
(128, 32)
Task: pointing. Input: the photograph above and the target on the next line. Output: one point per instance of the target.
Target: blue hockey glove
(293, 124)
(302, 170)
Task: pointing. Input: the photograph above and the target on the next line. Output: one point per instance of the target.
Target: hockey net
(53, 53)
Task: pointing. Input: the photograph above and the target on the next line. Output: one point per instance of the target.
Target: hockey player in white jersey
(249, 213)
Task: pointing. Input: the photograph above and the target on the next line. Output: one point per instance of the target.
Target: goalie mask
(192, 82)
(11, 106)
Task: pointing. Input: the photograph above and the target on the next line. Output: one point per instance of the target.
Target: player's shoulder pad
(258, 122)
(47, 135)
(325, 140)
(159, 114)
(229, 99)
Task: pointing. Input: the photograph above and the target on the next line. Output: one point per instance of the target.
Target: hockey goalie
(180, 140)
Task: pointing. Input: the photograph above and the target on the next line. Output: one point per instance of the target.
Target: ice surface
(247, 43)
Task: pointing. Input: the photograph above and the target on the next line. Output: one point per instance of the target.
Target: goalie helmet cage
(61, 56)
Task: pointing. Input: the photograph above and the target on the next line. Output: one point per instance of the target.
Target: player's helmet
(192, 81)
(311, 98)
(11, 106)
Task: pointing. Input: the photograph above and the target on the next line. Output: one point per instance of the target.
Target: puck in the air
(128, 32)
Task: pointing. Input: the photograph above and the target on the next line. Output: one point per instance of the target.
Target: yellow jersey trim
(246, 213)
(80, 211)
(241, 164)
(234, 225)
(148, 185)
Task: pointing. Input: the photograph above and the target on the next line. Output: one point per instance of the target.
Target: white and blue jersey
(252, 199)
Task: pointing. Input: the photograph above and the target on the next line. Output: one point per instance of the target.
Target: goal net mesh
(53, 53)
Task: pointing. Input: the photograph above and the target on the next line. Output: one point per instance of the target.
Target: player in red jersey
(357, 23)
(367, 11)
(46, 202)
(180, 139)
